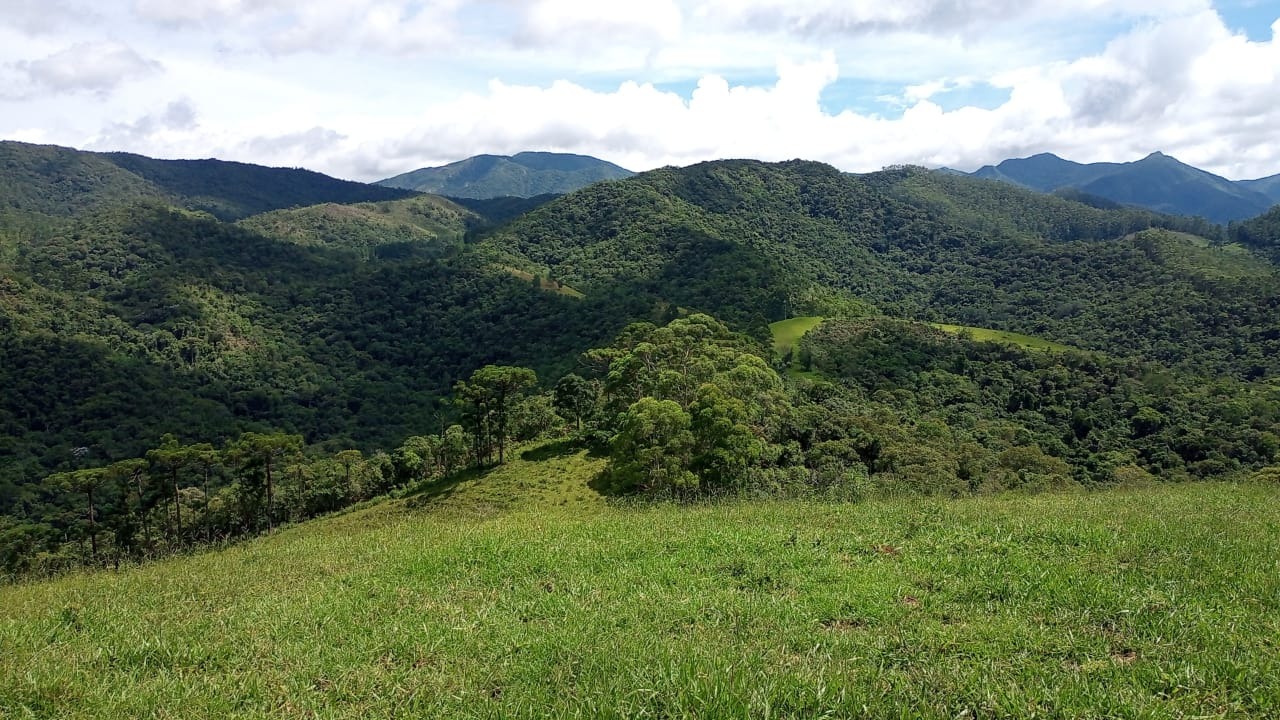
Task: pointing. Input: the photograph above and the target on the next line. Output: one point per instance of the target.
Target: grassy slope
(988, 335)
(1056, 605)
(786, 333)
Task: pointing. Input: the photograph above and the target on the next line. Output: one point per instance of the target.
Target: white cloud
(93, 67)
(592, 23)
(1132, 98)
(369, 88)
(176, 119)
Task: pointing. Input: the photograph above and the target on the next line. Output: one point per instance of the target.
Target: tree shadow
(551, 451)
(428, 493)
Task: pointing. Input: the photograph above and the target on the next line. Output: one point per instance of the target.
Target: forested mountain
(127, 312)
(1157, 182)
(60, 181)
(525, 174)
(124, 315)
(754, 242)
(1261, 234)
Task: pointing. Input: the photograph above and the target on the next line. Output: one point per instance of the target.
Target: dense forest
(752, 242)
(195, 351)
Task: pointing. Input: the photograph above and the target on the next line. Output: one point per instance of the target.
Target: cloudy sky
(365, 89)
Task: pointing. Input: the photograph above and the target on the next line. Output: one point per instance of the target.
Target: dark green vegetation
(753, 243)
(523, 175)
(351, 326)
(1059, 605)
(1261, 234)
(1157, 182)
(59, 181)
(494, 397)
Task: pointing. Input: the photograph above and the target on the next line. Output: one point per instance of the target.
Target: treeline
(887, 406)
(863, 407)
(179, 495)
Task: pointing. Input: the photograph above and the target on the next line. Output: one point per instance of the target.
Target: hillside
(1261, 234)
(1157, 182)
(755, 243)
(525, 174)
(61, 182)
(395, 226)
(126, 323)
(1063, 604)
(356, 331)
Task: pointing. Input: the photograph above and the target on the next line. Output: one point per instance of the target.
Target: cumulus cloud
(370, 88)
(292, 145)
(1185, 85)
(39, 17)
(87, 67)
(589, 23)
(176, 117)
(193, 12)
(858, 17)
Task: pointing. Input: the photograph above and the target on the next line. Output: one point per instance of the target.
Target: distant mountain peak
(525, 174)
(1157, 182)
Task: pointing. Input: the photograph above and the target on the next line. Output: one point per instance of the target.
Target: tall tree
(488, 399)
(264, 451)
(575, 397)
(171, 457)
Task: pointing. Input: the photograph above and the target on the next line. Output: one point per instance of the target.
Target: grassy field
(786, 333)
(988, 335)
(1161, 602)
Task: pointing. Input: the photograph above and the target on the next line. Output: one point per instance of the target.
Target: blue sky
(370, 88)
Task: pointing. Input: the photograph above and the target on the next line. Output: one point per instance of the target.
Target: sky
(366, 89)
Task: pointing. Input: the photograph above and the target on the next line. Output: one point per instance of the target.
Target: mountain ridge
(525, 174)
(60, 181)
(1157, 182)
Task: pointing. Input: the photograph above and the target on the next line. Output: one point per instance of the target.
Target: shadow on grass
(550, 451)
(427, 493)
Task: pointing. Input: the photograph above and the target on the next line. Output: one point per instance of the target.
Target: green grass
(1160, 602)
(987, 335)
(786, 333)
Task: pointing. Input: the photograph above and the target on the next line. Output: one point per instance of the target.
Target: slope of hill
(1261, 233)
(1060, 605)
(1269, 186)
(1157, 182)
(755, 243)
(129, 322)
(525, 174)
(394, 226)
(58, 181)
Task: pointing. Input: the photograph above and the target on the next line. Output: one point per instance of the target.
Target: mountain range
(525, 174)
(1157, 182)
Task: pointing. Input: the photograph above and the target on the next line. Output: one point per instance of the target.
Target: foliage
(754, 243)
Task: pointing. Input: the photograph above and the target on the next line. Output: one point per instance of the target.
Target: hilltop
(62, 182)
(525, 174)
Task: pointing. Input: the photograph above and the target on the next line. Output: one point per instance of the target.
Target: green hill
(60, 182)
(755, 243)
(525, 175)
(1066, 605)
(1261, 234)
(368, 227)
